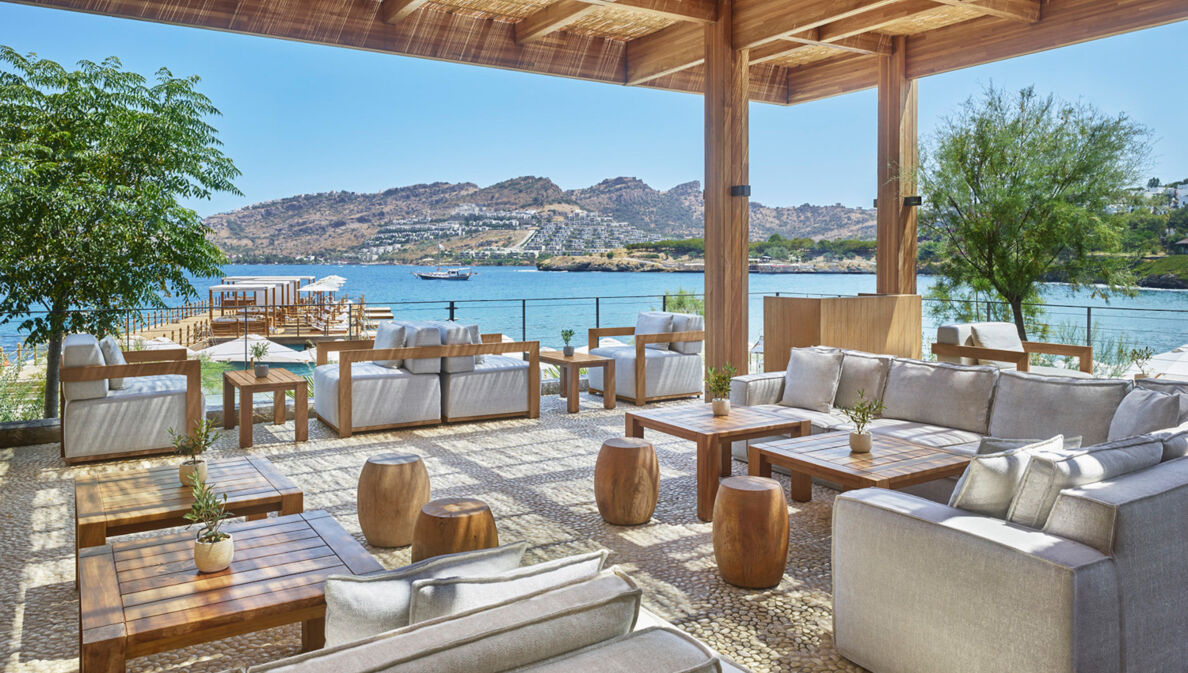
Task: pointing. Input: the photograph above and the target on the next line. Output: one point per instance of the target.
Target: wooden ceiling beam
(392, 11)
(874, 20)
(1027, 11)
(669, 50)
(757, 22)
(697, 11)
(557, 16)
(551, 18)
(868, 44)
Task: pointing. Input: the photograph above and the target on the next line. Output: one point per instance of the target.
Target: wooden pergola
(733, 51)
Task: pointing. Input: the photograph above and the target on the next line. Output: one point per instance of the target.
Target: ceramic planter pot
(261, 371)
(187, 470)
(721, 407)
(211, 557)
(568, 351)
(860, 442)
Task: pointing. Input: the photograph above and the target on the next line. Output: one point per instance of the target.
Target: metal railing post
(1088, 325)
(453, 308)
(597, 312)
(664, 302)
(523, 320)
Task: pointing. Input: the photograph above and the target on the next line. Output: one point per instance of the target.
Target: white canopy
(237, 351)
(318, 287)
(1170, 365)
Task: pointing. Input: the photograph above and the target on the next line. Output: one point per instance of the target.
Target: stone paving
(537, 476)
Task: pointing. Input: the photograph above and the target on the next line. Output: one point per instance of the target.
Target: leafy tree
(1017, 189)
(93, 166)
(1153, 183)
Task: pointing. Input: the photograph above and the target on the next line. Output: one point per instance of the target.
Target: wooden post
(726, 216)
(897, 156)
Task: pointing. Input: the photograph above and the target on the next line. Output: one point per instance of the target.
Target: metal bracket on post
(913, 200)
(740, 190)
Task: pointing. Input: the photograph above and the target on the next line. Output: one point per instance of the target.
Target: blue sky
(301, 118)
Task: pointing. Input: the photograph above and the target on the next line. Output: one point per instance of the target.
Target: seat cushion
(687, 322)
(989, 445)
(112, 355)
(137, 417)
(666, 373)
(359, 607)
(811, 379)
(861, 372)
(936, 436)
(380, 396)
(389, 335)
(990, 481)
(1143, 411)
(938, 393)
(1049, 473)
(1028, 405)
(659, 649)
(82, 350)
(497, 387)
(654, 322)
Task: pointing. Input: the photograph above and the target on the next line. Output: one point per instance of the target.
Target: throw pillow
(421, 334)
(476, 338)
(1002, 336)
(1050, 473)
(1175, 441)
(362, 606)
(861, 371)
(389, 335)
(432, 598)
(990, 480)
(654, 322)
(811, 379)
(112, 355)
(989, 445)
(1168, 386)
(1143, 411)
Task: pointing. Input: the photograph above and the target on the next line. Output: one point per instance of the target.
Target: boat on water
(445, 274)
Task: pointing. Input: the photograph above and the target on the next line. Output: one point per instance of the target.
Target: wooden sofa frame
(363, 350)
(1021, 359)
(140, 363)
(641, 341)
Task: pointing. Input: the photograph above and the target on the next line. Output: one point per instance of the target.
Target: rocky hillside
(342, 221)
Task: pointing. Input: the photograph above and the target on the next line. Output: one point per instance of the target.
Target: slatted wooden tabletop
(891, 463)
(139, 597)
(152, 499)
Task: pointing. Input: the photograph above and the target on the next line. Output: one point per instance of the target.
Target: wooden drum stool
(392, 490)
(626, 481)
(451, 525)
(751, 531)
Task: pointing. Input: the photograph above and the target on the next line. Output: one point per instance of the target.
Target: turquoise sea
(536, 304)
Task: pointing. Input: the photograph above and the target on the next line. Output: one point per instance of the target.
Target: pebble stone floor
(537, 476)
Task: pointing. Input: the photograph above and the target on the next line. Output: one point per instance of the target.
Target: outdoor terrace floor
(537, 476)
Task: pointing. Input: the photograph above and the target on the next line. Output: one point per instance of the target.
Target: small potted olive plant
(192, 446)
(861, 414)
(717, 382)
(213, 548)
(1141, 357)
(566, 335)
(259, 351)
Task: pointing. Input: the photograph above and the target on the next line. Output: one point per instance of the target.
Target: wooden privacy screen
(888, 323)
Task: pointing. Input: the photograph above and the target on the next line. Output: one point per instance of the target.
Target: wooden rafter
(868, 44)
(757, 22)
(1027, 11)
(697, 11)
(664, 52)
(551, 18)
(874, 20)
(392, 11)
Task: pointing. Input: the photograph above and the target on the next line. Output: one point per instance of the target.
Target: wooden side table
(392, 490)
(452, 525)
(751, 532)
(277, 382)
(570, 366)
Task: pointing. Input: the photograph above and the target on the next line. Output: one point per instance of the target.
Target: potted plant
(861, 414)
(717, 382)
(1141, 357)
(213, 548)
(259, 351)
(566, 335)
(192, 446)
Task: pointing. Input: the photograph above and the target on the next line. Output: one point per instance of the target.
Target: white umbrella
(1170, 365)
(234, 351)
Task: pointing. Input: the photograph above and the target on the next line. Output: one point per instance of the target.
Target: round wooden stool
(451, 525)
(626, 481)
(392, 489)
(751, 531)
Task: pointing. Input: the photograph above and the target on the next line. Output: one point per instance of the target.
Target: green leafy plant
(566, 335)
(862, 413)
(193, 445)
(1141, 357)
(258, 351)
(208, 511)
(717, 381)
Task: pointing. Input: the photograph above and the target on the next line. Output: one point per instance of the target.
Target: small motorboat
(445, 274)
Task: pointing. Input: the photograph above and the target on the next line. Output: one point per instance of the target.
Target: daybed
(664, 363)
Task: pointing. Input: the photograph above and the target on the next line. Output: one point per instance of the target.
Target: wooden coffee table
(713, 434)
(140, 597)
(569, 366)
(151, 499)
(277, 382)
(891, 463)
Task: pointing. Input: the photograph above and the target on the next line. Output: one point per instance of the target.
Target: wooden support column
(896, 261)
(726, 217)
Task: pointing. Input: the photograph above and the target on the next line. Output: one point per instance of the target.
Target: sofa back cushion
(421, 334)
(454, 334)
(1049, 473)
(654, 322)
(1175, 441)
(1143, 411)
(1167, 386)
(811, 379)
(687, 322)
(389, 335)
(488, 640)
(82, 350)
(1002, 336)
(443, 596)
(1030, 405)
(957, 334)
(939, 393)
(112, 355)
(990, 480)
(865, 372)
